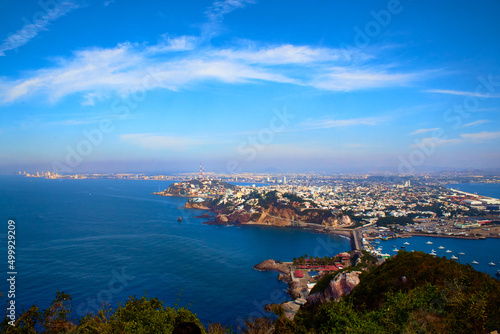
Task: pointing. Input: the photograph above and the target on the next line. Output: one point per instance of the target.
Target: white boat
(461, 253)
(395, 250)
(475, 262)
(491, 264)
(441, 247)
(433, 252)
(448, 251)
(453, 257)
(429, 242)
(407, 243)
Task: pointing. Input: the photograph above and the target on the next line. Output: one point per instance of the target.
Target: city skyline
(242, 85)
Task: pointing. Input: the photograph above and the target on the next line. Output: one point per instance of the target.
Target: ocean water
(104, 240)
(481, 251)
(484, 189)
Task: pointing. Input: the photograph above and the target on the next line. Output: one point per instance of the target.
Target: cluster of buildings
(368, 197)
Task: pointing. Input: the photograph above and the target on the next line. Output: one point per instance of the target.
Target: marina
(480, 253)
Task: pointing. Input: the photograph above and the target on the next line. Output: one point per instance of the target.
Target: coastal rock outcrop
(272, 265)
(340, 286)
(221, 219)
(192, 205)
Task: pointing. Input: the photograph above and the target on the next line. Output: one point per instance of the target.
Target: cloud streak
(462, 93)
(476, 123)
(481, 136)
(420, 131)
(177, 63)
(342, 123)
(31, 30)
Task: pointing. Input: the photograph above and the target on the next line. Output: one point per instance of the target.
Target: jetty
(356, 241)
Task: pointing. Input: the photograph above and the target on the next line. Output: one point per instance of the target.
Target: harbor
(479, 254)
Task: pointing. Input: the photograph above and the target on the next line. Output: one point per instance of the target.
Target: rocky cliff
(340, 286)
(192, 205)
(283, 216)
(272, 265)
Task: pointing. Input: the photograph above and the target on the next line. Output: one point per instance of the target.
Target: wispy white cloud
(97, 73)
(215, 15)
(162, 142)
(481, 136)
(341, 123)
(462, 93)
(289, 54)
(220, 8)
(107, 3)
(170, 44)
(30, 31)
(420, 131)
(476, 123)
(344, 79)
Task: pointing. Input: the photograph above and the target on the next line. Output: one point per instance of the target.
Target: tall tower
(201, 175)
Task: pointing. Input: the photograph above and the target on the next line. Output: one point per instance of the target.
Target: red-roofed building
(298, 273)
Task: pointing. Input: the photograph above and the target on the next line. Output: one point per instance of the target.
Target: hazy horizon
(244, 85)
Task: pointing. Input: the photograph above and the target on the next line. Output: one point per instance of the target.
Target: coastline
(473, 195)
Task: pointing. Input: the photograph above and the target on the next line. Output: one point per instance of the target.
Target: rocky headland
(339, 286)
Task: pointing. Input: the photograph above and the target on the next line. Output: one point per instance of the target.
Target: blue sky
(247, 85)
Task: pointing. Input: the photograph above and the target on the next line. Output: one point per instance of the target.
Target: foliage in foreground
(144, 316)
(411, 293)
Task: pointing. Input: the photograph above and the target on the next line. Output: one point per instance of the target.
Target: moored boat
(475, 262)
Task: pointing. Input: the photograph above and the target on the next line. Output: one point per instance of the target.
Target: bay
(481, 251)
(104, 240)
(484, 189)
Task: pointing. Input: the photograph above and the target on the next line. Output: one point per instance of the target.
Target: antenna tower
(201, 175)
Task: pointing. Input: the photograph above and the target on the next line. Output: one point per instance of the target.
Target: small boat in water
(491, 264)
(448, 251)
(453, 257)
(407, 243)
(475, 262)
(441, 247)
(395, 250)
(461, 253)
(429, 242)
(433, 252)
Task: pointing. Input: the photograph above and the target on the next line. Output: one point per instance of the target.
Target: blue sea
(104, 240)
(484, 189)
(481, 251)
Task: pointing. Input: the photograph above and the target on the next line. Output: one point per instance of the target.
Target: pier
(356, 241)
